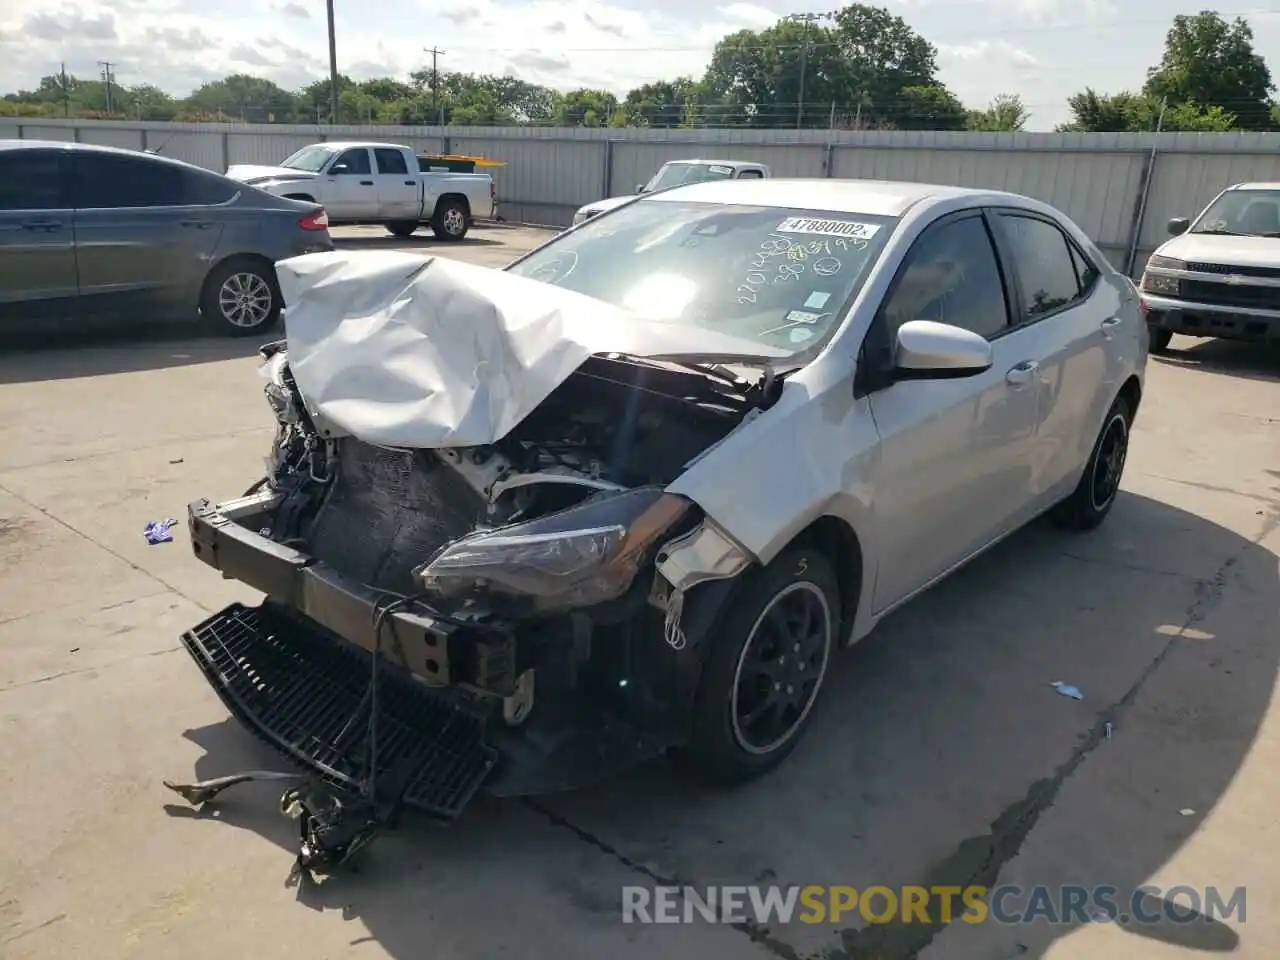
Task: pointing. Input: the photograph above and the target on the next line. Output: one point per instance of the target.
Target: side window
(1047, 270)
(356, 161)
(108, 180)
(750, 175)
(1086, 271)
(950, 275)
(390, 161)
(207, 189)
(31, 180)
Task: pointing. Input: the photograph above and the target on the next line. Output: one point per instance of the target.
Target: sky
(1044, 50)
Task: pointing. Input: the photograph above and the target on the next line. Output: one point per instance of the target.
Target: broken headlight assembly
(579, 557)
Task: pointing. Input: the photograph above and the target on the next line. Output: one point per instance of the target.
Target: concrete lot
(939, 753)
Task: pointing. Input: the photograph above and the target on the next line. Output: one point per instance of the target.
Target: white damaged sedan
(628, 495)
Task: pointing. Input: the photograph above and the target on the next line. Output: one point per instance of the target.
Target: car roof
(733, 163)
(344, 144)
(1254, 186)
(885, 198)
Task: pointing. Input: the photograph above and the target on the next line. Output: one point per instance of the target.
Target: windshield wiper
(1216, 232)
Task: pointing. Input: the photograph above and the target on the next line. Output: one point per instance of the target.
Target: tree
(926, 107)
(884, 57)
(1005, 113)
(1134, 112)
(1211, 62)
(663, 103)
(587, 108)
(244, 97)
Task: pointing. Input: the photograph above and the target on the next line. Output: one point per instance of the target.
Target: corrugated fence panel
(10, 130)
(109, 137)
(52, 131)
(1097, 190)
(1184, 183)
(544, 180)
(202, 149)
(265, 150)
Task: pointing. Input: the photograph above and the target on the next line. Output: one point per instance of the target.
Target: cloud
(173, 38)
(986, 50)
(540, 62)
(294, 10)
(247, 54)
(69, 23)
(749, 15)
(460, 13)
(556, 26)
(603, 27)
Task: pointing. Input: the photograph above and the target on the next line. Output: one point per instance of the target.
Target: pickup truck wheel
(402, 228)
(763, 675)
(449, 222)
(240, 298)
(1160, 338)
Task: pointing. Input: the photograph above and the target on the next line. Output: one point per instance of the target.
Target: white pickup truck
(676, 173)
(377, 183)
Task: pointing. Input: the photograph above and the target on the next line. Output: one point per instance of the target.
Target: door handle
(197, 224)
(1022, 373)
(366, 183)
(411, 183)
(1109, 325)
(45, 226)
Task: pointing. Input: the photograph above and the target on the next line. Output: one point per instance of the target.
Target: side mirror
(339, 168)
(639, 188)
(938, 351)
(1179, 225)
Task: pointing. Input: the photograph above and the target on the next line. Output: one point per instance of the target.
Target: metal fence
(1121, 188)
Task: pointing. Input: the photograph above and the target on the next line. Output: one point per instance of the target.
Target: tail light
(315, 221)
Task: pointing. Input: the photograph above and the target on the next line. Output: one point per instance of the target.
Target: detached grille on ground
(296, 689)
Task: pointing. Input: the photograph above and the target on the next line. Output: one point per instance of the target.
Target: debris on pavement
(1067, 690)
(1106, 729)
(1187, 812)
(178, 460)
(157, 531)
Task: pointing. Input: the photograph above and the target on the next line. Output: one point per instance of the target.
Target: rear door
(951, 475)
(145, 235)
(399, 189)
(37, 238)
(1071, 316)
(350, 193)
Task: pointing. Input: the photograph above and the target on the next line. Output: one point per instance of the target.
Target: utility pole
(806, 19)
(66, 90)
(435, 80)
(333, 66)
(107, 77)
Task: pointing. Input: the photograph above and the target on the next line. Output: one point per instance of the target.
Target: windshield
(675, 174)
(308, 158)
(782, 277)
(1245, 213)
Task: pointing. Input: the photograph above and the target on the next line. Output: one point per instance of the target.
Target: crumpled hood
(251, 173)
(1229, 251)
(405, 350)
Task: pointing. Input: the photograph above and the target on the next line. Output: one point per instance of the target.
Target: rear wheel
(240, 298)
(766, 667)
(402, 228)
(450, 221)
(1096, 492)
(1160, 338)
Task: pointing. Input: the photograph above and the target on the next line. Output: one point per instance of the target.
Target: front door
(952, 471)
(142, 245)
(37, 238)
(399, 190)
(350, 194)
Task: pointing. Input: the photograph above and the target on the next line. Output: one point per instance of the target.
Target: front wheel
(1160, 338)
(241, 298)
(1096, 492)
(450, 222)
(766, 667)
(402, 228)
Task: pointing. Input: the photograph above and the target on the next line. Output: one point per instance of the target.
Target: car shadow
(422, 238)
(938, 747)
(1250, 361)
(125, 349)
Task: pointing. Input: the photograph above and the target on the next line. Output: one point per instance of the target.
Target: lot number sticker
(851, 229)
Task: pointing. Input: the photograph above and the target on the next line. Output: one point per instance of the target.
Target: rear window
(781, 277)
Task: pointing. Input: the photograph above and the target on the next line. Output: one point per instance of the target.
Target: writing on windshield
(781, 277)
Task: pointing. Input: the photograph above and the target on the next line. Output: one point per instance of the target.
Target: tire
(240, 298)
(402, 228)
(726, 743)
(1160, 338)
(1095, 495)
(450, 221)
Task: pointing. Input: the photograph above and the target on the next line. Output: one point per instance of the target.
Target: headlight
(1159, 283)
(578, 557)
(1168, 263)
